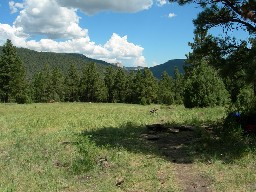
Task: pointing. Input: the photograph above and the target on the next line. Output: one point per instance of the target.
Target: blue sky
(131, 32)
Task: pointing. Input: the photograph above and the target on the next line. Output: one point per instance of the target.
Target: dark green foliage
(35, 61)
(137, 87)
(46, 85)
(109, 83)
(245, 100)
(120, 86)
(130, 94)
(149, 88)
(12, 75)
(58, 85)
(234, 60)
(92, 85)
(179, 86)
(169, 67)
(72, 84)
(204, 88)
(165, 89)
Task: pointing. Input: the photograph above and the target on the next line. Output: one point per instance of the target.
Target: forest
(220, 71)
(230, 66)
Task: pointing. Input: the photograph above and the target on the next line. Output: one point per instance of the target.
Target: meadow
(102, 147)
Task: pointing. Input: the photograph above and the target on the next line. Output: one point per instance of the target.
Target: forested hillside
(35, 61)
(169, 67)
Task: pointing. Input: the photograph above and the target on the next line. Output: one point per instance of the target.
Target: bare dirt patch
(174, 144)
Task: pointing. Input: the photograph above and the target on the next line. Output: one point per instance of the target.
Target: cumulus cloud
(116, 49)
(46, 17)
(57, 23)
(122, 50)
(95, 6)
(171, 15)
(15, 6)
(161, 2)
(15, 34)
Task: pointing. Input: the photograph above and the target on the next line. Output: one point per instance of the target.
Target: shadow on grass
(179, 144)
(225, 145)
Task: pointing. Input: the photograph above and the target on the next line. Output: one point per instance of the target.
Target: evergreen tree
(92, 86)
(49, 89)
(72, 80)
(120, 86)
(58, 84)
(109, 80)
(12, 75)
(137, 87)
(130, 87)
(39, 87)
(204, 88)
(150, 87)
(43, 85)
(165, 89)
(178, 86)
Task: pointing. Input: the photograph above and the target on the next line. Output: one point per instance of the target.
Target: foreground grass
(97, 147)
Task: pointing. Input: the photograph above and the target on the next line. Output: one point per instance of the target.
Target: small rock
(119, 181)
(173, 130)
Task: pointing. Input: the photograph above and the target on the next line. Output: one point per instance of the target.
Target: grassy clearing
(97, 147)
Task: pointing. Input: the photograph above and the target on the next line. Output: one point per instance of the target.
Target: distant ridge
(169, 67)
(35, 61)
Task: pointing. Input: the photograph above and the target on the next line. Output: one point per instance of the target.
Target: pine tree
(165, 89)
(39, 87)
(92, 87)
(72, 84)
(130, 87)
(137, 87)
(12, 75)
(144, 87)
(120, 86)
(150, 87)
(204, 88)
(109, 80)
(178, 86)
(58, 84)
(43, 85)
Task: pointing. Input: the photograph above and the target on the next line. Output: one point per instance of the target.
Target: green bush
(204, 88)
(245, 100)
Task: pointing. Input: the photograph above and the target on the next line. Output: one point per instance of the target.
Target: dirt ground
(173, 143)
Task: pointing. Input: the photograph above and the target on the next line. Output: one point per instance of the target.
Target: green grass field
(98, 147)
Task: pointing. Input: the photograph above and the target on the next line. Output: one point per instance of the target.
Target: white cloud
(171, 15)
(154, 63)
(161, 2)
(15, 6)
(15, 34)
(116, 49)
(95, 6)
(60, 30)
(46, 17)
(123, 50)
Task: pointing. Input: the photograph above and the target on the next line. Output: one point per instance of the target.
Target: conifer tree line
(203, 84)
(87, 85)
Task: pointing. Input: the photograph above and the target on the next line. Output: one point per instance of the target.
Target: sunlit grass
(60, 147)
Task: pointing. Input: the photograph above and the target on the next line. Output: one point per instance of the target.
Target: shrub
(204, 88)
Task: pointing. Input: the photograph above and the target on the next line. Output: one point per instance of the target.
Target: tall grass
(97, 147)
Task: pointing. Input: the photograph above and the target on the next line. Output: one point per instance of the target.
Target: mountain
(35, 61)
(169, 67)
